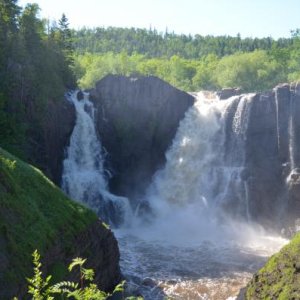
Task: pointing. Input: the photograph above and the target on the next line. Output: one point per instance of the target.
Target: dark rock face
(55, 133)
(261, 159)
(228, 92)
(100, 247)
(272, 158)
(137, 119)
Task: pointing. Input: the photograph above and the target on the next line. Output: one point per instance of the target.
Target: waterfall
(205, 170)
(200, 240)
(83, 177)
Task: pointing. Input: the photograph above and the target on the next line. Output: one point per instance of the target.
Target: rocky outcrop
(35, 214)
(264, 181)
(279, 278)
(99, 246)
(269, 131)
(49, 139)
(57, 128)
(137, 119)
(228, 92)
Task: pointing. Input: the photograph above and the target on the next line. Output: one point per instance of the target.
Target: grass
(34, 214)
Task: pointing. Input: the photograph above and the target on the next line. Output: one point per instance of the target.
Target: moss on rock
(34, 214)
(280, 278)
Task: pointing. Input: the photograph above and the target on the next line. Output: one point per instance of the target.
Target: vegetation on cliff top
(34, 214)
(188, 62)
(280, 277)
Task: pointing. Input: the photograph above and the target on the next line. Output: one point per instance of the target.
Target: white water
(188, 247)
(83, 176)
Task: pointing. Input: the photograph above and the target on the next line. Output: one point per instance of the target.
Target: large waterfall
(199, 241)
(83, 176)
(201, 173)
(193, 235)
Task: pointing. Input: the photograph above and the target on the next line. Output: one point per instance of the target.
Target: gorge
(230, 171)
(115, 152)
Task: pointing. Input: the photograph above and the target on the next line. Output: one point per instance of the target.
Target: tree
(65, 38)
(254, 71)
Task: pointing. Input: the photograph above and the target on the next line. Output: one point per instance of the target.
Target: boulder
(228, 92)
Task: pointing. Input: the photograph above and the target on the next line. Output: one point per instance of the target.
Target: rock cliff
(51, 139)
(269, 131)
(137, 119)
(271, 159)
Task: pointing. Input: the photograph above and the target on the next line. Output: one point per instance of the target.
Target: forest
(188, 62)
(36, 60)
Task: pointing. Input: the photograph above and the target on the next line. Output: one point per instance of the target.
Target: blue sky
(250, 18)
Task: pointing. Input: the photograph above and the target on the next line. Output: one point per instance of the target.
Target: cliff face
(51, 139)
(98, 245)
(137, 119)
(269, 133)
(35, 214)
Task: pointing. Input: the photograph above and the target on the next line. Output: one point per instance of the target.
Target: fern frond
(119, 287)
(78, 261)
(88, 274)
(64, 285)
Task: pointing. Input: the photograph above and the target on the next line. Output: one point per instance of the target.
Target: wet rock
(294, 176)
(80, 95)
(148, 282)
(228, 92)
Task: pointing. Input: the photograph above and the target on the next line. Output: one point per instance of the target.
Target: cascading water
(83, 176)
(198, 242)
(200, 170)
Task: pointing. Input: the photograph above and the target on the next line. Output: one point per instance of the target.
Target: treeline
(35, 60)
(251, 71)
(187, 62)
(152, 43)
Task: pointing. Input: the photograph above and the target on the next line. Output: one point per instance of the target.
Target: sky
(250, 18)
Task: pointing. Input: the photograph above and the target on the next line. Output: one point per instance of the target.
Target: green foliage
(34, 214)
(254, 71)
(189, 63)
(41, 289)
(36, 66)
(38, 287)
